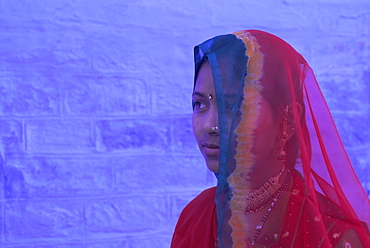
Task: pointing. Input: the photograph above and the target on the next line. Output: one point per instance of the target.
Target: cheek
(266, 134)
(264, 144)
(196, 127)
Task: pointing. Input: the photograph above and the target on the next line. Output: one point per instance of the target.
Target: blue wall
(96, 147)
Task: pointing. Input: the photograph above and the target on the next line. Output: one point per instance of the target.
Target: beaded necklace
(273, 203)
(258, 199)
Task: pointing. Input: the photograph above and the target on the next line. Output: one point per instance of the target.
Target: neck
(253, 200)
(258, 175)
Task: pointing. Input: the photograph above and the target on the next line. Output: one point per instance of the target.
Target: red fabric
(304, 224)
(264, 91)
(197, 225)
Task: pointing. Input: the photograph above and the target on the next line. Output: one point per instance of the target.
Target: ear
(294, 116)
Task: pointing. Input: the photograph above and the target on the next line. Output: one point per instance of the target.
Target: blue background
(96, 146)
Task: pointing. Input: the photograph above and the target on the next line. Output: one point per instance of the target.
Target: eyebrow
(230, 95)
(198, 94)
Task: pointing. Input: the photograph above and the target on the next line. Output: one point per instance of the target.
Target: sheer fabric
(319, 202)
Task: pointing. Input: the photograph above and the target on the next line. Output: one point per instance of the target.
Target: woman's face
(205, 116)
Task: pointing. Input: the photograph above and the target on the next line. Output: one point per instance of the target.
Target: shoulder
(204, 198)
(321, 217)
(197, 221)
(198, 207)
(342, 230)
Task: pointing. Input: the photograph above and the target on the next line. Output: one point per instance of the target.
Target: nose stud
(215, 128)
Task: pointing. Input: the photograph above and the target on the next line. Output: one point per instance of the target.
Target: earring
(282, 150)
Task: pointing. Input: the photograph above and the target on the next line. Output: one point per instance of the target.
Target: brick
(120, 243)
(49, 244)
(346, 87)
(95, 244)
(343, 56)
(2, 180)
(360, 158)
(110, 56)
(57, 176)
(126, 59)
(171, 98)
(127, 214)
(42, 219)
(97, 94)
(346, 18)
(18, 7)
(65, 14)
(353, 129)
(79, 13)
(336, 94)
(149, 242)
(16, 54)
(145, 14)
(59, 136)
(287, 18)
(150, 173)
(184, 140)
(48, 45)
(141, 135)
(166, 90)
(71, 50)
(1, 221)
(11, 137)
(29, 92)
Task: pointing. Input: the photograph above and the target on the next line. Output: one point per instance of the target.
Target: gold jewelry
(282, 150)
(273, 203)
(257, 199)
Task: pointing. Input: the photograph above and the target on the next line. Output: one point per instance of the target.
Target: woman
(262, 125)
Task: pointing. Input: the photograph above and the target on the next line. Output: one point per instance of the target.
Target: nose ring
(215, 128)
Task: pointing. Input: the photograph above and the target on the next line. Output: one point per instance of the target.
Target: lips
(211, 149)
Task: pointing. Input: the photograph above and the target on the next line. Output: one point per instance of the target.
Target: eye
(198, 105)
(230, 106)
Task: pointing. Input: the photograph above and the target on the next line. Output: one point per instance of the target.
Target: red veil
(326, 203)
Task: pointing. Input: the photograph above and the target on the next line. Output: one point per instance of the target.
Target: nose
(210, 121)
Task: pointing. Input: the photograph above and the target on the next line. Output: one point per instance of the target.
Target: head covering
(252, 67)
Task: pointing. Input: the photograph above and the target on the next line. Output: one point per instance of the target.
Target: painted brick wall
(96, 147)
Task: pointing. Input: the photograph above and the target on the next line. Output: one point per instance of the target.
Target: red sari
(197, 225)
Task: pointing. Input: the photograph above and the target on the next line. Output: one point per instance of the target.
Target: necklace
(258, 199)
(273, 203)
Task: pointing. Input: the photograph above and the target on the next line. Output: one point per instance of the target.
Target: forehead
(204, 81)
(231, 82)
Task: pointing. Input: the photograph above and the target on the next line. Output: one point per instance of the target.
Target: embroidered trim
(250, 109)
(257, 199)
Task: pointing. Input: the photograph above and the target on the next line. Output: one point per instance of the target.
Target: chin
(213, 166)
